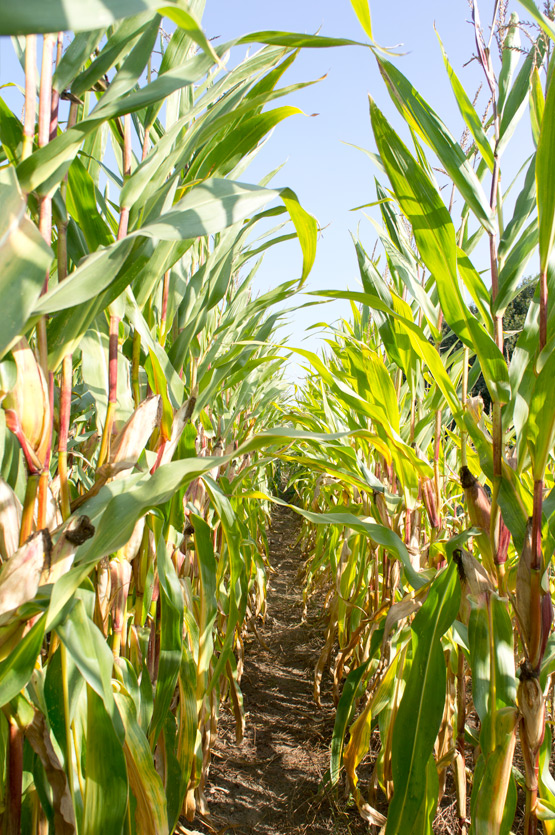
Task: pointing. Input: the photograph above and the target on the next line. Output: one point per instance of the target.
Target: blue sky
(329, 176)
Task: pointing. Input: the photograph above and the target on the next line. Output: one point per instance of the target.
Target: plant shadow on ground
(270, 784)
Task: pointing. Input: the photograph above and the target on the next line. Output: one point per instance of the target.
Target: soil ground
(270, 783)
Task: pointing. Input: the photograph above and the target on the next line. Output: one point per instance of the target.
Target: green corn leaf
(171, 639)
(479, 292)
(131, 69)
(24, 260)
(95, 349)
(47, 166)
(514, 502)
(419, 716)
(137, 320)
(123, 37)
(427, 812)
(524, 206)
(144, 781)
(377, 533)
(208, 605)
(435, 238)
(433, 230)
(115, 512)
(64, 15)
(222, 157)
(344, 712)
(158, 384)
(187, 719)
(238, 574)
(546, 782)
(539, 430)
(76, 54)
(395, 342)
(16, 669)
(510, 59)
(67, 328)
(54, 697)
(106, 787)
(513, 269)
(178, 50)
(11, 133)
(362, 11)
(222, 106)
(420, 116)
(175, 782)
(342, 716)
(166, 255)
(383, 390)
(205, 210)
(504, 658)
(515, 104)
(471, 118)
(545, 180)
(305, 226)
(297, 40)
(189, 24)
(542, 20)
(81, 204)
(537, 105)
(494, 795)
(102, 266)
(209, 208)
(91, 655)
(421, 345)
(406, 269)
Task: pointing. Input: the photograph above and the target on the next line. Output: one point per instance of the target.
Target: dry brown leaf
(20, 575)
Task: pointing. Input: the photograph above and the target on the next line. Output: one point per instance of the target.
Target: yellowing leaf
(362, 11)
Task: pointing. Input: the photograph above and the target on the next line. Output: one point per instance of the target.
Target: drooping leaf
(206, 209)
(62, 15)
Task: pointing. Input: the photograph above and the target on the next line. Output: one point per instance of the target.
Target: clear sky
(330, 176)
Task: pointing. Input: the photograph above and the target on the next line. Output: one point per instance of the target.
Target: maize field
(149, 433)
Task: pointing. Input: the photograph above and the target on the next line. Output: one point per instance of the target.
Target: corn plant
(438, 564)
(139, 385)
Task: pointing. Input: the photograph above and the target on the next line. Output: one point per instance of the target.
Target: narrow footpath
(268, 784)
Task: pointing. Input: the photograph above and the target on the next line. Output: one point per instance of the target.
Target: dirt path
(268, 785)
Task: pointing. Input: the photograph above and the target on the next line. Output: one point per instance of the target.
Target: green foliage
(144, 475)
(514, 318)
(144, 411)
(442, 328)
